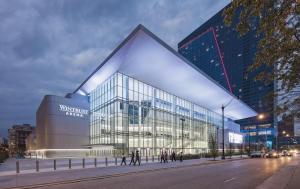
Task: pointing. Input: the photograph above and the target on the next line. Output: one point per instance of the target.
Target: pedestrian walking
(137, 158)
(162, 156)
(181, 157)
(173, 156)
(123, 159)
(132, 158)
(166, 157)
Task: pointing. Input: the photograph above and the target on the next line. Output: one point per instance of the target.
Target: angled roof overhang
(145, 57)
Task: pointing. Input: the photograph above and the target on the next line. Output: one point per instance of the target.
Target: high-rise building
(224, 55)
(17, 135)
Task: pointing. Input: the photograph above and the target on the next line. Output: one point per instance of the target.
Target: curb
(121, 174)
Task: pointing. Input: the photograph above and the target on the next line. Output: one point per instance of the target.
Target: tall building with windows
(17, 135)
(224, 55)
(132, 101)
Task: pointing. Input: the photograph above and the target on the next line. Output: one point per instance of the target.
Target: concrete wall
(62, 123)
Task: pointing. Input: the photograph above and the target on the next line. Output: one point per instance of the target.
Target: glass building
(146, 96)
(224, 55)
(130, 114)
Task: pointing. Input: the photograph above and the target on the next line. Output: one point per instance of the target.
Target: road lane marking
(228, 180)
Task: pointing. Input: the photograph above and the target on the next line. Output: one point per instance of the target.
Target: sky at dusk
(50, 47)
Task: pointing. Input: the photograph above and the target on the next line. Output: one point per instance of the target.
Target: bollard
(116, 163)
(157, 158)
(54, 164)
(83, 163)
(106, 163)
(37, 168)
(95, 162)
(69, 163)
(146, 159)
(152, 158)
(17, 167)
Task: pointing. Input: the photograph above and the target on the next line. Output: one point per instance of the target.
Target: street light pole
(223, 145)
(249, 141)
(182, 120)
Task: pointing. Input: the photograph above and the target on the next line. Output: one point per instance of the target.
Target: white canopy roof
(145, 57)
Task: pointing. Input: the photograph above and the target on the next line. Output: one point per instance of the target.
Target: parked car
(256, 154)
(272, 154)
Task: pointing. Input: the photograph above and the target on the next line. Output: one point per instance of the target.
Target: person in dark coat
(137, 158)
(132, 158)
(123, 159)
(166, 157)
(162, 157)
(173, 156)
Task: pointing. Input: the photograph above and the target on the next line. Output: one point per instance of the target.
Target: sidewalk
(286, 178)
(77, 174)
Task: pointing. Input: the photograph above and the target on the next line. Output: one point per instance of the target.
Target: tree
(230, 150)
(213, 146)
(241, 149)
(279, 45)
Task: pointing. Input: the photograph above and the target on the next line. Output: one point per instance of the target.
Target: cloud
(50, 47)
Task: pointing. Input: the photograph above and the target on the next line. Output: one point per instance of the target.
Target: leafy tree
(213, 146)
(279, 45)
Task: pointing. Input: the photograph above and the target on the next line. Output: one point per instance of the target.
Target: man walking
(162, 157)
(166, 157)
(132, 158)
(123, 159)
(173, 156)
(137, 157)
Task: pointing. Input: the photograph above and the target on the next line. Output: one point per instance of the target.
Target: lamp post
(261, 117)
(223, 145)
(182, 123)
(249, 141)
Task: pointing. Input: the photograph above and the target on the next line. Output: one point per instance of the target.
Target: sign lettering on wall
(72, 111)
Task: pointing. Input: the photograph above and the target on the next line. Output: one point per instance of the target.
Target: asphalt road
(240, 174)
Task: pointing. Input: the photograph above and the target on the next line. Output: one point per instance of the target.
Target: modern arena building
(143, 96)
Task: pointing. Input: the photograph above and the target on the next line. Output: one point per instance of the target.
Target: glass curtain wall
(129, 115)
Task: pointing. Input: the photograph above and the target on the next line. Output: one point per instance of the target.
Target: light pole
(223, 145)
(182, 123)
(249, 141)
(261, 117)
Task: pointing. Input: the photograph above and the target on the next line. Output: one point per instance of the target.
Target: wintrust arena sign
(73, 111)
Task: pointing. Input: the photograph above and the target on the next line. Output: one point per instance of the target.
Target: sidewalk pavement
(285, 178)
(50, 177)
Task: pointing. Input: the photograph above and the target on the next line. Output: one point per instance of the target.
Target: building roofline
(161, 42)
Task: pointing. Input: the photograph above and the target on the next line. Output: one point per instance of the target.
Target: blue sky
(50, 47)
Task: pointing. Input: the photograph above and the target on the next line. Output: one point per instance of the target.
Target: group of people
(164, 157)
(136, 159)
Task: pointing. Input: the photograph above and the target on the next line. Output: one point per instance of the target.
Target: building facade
(62, 126)
(133, 101)
(17, 135)
(225, 56)
(129, 114)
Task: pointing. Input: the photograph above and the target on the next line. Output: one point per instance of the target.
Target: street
(248, 173)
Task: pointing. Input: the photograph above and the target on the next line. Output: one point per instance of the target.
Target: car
(256, 154)
(286, 153)
(272, 154)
